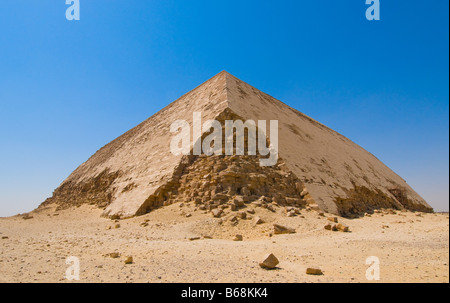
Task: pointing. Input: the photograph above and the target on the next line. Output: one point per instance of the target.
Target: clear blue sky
(68, 88)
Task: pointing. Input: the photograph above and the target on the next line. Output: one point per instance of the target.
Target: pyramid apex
(225, 73)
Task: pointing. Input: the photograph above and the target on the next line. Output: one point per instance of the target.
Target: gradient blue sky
(68, 88)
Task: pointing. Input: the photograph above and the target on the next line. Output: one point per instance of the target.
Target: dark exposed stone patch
(361, 200)
(95, 191)
(215, 180)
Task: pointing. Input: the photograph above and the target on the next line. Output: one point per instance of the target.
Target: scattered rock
(194, 238)
(117, 225)
(238, 201)
(304, 192)
(328, 226)
(313, 205)
(251, 211)
(342, 227)
(258, 220)
(242, 215)
(269, 262)
(279, 229)
(271, 208)
(129, 260)
(238, 238)
(217, 212)
(5, 237)
(314, 271)
(188, 215)
(27, 216)
(114, 255)
(333, 219)
(233, 218)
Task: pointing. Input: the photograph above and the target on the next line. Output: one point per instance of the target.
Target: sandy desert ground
(411, 247)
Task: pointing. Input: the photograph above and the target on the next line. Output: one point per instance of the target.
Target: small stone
(238, 238)
(327, 227)
(321, 214)
(333, 219)
(5, 237)
(251, 211)
(334, 227)
(27, 216)
(258, 220)
(271, 208)
(114, 255)
(313, 205)
(188, 215)
(233, 218)
(304, 192)
(238, 201)
(242, 215)
(194, 238)
(279, 229)
(314, 271)
(217, 212)
(117, 225)
(129, 260)
(342, 227)
(269, 262)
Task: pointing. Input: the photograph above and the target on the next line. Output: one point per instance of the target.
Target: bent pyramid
(136, 172)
